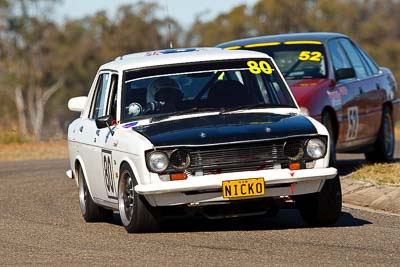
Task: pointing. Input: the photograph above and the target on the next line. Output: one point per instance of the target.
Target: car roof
(309, 36)
(177, 56)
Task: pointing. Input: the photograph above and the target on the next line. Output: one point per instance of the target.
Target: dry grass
(30, 151)
(379, 173)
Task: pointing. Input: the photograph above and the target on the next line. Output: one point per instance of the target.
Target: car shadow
(345, 167)
(285, 219)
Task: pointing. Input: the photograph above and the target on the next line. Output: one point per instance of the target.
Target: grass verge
(32, 151)
(380, 173)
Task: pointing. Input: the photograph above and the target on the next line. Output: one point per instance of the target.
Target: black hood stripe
(226, 129)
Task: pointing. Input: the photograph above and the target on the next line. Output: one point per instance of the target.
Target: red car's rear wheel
(384, 147)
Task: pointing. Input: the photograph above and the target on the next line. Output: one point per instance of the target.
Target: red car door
(374, 90)
(351, 99)
(370, 97)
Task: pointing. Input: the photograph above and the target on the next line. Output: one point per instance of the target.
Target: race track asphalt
(41, 224)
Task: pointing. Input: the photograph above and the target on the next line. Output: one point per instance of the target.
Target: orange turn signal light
(294, 166)
(178, 176)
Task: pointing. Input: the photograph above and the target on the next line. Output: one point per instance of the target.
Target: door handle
(98, 132)
(81, 129)
(361, 90)
(378, 87)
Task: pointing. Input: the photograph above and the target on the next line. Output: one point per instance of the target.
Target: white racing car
(200, 129)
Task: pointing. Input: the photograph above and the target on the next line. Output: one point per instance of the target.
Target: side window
(99, 105)
(355, 59)
(371, 63)
(338, 56)
(112, 100)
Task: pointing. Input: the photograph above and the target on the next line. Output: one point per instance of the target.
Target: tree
(84, 44)
(284, 16)
(30, 76)
(39, 58)
(235, 24)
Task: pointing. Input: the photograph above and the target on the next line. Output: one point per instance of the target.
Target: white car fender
(321, 129)
(126, 137)
(81, 163)
(150, 177)
(137, 177)
(131, 147)
(132, 166)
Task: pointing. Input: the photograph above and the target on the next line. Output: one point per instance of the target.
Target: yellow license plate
(243, 188)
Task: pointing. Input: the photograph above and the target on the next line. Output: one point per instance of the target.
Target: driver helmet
(164, 83)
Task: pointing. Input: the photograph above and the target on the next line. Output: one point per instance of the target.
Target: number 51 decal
(352, 117)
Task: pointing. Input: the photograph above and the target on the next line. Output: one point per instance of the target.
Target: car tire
(328, 123)
(137, 215)
(90, 211)
(322, 208)
(384, 147)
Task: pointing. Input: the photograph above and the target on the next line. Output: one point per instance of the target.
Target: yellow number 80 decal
(258, 67)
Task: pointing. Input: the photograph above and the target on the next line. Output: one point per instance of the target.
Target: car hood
(225, 128)
(305, 90)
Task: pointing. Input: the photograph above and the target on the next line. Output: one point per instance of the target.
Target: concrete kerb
(366, 194)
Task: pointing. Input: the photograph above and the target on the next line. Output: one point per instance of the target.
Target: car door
(348, 113)
(91, 139)
(107, 142)
(374, 93)
(370, 97)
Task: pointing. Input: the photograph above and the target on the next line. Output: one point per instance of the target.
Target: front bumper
(206, 188)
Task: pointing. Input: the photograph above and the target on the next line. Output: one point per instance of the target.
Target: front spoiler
(207, 182)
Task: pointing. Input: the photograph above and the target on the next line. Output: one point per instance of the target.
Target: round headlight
(316, 148)
(293, 150)
(180, 159)
(157, 161)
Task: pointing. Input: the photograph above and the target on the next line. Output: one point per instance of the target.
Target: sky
(184, 11)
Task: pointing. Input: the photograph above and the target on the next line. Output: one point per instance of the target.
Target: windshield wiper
(300, 77)
(182, 112)
(247, 107)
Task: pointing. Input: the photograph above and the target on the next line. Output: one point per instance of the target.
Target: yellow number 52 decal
(258, 67)
(310, 55)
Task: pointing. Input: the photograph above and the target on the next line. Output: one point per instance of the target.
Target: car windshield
(196, 87)
(296, 60)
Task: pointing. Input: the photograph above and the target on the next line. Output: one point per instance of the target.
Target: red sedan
(338, 83)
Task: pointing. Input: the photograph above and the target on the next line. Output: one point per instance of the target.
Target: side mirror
(77, 103)
(346, 73)
(104, 121)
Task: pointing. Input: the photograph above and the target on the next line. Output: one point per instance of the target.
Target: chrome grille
(243, 157)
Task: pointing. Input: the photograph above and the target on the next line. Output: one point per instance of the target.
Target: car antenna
(169, 24)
